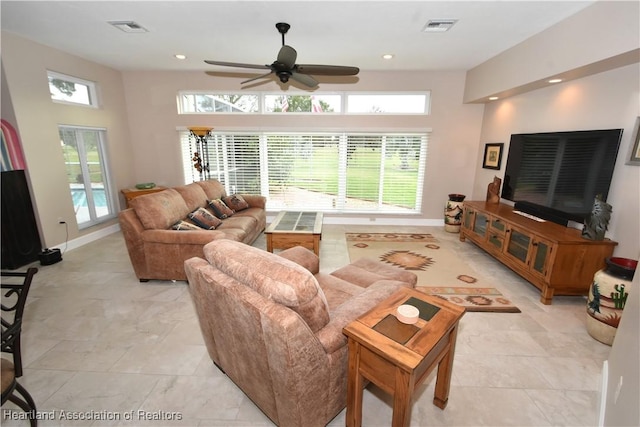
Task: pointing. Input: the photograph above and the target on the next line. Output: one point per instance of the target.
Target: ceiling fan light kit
(285, 67)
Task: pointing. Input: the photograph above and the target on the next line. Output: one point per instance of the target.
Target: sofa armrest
(302, 256)
(255, 200)
(331, 336)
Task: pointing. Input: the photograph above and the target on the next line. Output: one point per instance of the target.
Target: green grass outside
(73, 167)
(317, 173)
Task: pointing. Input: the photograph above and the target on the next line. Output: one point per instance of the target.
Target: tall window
(87, 174)
(326, 171)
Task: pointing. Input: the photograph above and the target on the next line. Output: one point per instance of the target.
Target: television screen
(557, 175)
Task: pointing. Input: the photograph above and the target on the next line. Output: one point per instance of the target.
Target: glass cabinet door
(480, 224)
(518, 245)
(541, 253)
(467, 218)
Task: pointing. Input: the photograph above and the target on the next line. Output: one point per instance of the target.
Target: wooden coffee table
(291, 229)
(397, 357)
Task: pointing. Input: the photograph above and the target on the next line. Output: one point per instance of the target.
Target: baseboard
(88, 238)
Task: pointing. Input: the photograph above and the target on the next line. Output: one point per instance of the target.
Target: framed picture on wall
(492, 155)
(634, 155)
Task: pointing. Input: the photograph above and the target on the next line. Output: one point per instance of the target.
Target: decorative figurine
(597, 223)
(493, 191)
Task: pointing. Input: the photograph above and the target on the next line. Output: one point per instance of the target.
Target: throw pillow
(220, 210)
(185, 226)
(204, 219)
(235, 202)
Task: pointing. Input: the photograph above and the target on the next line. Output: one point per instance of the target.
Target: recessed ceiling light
(438, 25)
(493, 98)
(387, 56)
(555, 80)
(180, 56)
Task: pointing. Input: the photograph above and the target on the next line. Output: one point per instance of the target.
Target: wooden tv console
(554, 258)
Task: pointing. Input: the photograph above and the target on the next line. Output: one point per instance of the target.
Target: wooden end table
(397, 357)
(291, 229)
(132, 193)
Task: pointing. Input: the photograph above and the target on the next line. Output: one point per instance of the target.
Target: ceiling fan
(285, 66)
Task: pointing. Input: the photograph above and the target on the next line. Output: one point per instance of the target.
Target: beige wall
(602, 101)
(25, 66)
(453, 146)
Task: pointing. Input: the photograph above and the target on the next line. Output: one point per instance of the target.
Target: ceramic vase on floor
(453, 213)
(607, 297)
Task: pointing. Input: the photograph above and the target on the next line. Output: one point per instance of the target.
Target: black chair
(14, 297)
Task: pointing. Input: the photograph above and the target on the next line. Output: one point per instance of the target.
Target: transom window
(326, 171)
(72, 90)
(303, 103)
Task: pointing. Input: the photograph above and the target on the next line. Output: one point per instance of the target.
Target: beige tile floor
(98, 343)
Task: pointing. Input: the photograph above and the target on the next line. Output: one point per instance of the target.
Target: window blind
(324, 171)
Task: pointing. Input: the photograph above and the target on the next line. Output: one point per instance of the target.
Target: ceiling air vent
(129, 26)
(439, 25)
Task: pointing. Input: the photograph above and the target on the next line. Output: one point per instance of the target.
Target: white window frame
(92, 89)
(343, 102)
(109, 189)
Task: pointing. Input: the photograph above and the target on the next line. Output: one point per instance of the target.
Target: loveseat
(273, 323)
(158, 251)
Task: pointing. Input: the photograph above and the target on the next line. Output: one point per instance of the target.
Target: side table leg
(402, 399)
(269, 242)
(316, 244)
(354, 387)
(443, 379)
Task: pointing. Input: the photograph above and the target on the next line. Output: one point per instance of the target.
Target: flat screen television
(557, 175)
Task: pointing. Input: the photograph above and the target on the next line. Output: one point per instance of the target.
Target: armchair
(273, 323)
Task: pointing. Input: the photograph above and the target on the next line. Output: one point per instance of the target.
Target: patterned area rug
(440, 272)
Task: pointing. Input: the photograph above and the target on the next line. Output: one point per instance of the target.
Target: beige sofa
(273, 324)
(158, 252)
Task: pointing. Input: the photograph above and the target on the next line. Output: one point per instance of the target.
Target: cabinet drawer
(498, 227)
(497, 241)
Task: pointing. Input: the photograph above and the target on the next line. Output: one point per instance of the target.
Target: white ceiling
(352, 33)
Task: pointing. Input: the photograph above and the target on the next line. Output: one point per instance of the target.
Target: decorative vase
(453, 213)
(607, 296)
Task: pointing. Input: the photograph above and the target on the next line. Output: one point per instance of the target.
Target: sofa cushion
(213, 189)
(219, 208)
(235, 202)
(160, 210)
(205, 219)
(185, 226)
(274, 277)
(193, 195)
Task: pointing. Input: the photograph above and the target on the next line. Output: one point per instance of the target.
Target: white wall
(623, 386)
(603, 101)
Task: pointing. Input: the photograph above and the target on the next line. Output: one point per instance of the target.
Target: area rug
(440, 271)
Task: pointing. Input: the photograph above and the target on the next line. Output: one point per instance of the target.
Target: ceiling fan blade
(304, 79)
(327, 70)
(236, 64)
(258, 77)
(287, 56)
